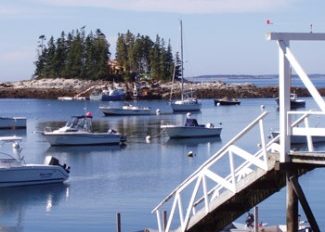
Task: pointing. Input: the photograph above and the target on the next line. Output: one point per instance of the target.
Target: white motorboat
(96, 95)
(127, 109)
(187, 102)
(78, 131)
(295, 102)
(12, 122)
(192, 129)
(115, 94)
(15, 172)
(185, 105)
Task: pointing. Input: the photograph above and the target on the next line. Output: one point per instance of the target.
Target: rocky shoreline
(54, 88)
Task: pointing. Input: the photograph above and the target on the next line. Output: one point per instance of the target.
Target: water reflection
(15, 201)
(82, 150)
(193, 141)
(15, 132)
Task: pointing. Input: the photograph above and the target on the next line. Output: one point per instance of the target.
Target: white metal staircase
(223, 188)
(209, 187)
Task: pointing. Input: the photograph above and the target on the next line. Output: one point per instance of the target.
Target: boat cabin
(80, 123)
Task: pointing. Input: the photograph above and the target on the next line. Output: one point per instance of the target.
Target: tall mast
(182, 63)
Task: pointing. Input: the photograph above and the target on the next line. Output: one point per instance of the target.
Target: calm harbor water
(131, 179)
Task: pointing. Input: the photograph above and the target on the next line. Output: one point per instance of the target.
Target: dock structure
(235, 179)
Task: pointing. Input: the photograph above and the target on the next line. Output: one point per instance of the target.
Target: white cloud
(180, 6)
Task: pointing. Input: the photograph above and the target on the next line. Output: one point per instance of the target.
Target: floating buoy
(148, 139)
(190, 154)
(157, 111)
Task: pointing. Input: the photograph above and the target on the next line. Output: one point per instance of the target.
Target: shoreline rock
(54, 88)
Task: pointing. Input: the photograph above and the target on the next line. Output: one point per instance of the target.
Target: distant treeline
(77, 55)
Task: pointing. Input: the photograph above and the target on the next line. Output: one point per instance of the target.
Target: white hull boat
(191, 129)
(15, 172)
(175, 131)
(12, 122)
(78, 131)
(81, 138)
(95, 96)
(126, 110)
(186, 105)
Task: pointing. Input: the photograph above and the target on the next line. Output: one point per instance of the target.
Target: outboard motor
(50, 160)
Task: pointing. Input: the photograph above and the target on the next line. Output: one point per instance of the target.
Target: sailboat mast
(182, 62)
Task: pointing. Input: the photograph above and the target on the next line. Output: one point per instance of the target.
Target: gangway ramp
(208, 200)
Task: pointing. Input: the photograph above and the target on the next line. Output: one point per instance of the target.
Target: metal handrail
(228, 182)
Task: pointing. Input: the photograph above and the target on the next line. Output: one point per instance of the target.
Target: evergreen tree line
(74, 55)
(77, 55)
(140, 55)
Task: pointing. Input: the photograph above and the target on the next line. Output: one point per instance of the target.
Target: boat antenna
(182, 62)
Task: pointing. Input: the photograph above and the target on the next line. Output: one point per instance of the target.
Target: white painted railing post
(284, 99)
(232, 168)
(308, 137)
(202, 200)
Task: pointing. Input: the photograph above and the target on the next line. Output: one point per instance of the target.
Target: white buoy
(157, 111)
(190, 154)
(148, 139)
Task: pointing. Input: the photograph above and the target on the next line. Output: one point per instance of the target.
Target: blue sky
(220, 36)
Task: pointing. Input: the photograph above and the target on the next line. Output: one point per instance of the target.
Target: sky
(220, 36)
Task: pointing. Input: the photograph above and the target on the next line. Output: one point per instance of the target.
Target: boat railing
(15, 155)
(305, 125)
(209, 181)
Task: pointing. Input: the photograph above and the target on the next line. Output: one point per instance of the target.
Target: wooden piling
(256, 219)
(165, 219)
(292, 205)
(118, 222)
(303, 201)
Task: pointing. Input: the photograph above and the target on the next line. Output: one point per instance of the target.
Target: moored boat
(127, 109)
(95, 95)
(187, 102)
(78, 131)
(186, 105)
(15, 172)
(226, 101)
(191, 129)
(294, 101)
(115, 94)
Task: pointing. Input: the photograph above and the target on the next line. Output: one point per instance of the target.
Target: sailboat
(187, 102)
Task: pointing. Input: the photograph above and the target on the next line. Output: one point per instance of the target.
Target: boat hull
(71, 139)
(12, 123)
(31, 175)
(119, 111)
(226, 103)
(185, 107)
(294, 104)
(190, 132)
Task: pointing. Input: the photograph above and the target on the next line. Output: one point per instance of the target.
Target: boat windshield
(80, 123)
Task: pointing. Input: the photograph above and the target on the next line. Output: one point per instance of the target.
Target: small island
(76, 63)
